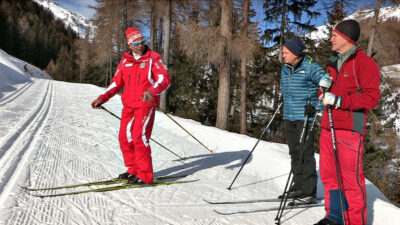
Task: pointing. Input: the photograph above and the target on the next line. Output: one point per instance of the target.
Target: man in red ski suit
(354, 89)
(144, 77)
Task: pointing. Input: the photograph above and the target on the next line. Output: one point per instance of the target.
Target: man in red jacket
(352, 90)
(144, 76)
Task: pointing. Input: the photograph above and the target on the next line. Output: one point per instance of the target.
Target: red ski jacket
(357, 83)
(137, 76)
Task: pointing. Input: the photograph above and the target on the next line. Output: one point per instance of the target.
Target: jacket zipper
(129, 78)
(138, 83)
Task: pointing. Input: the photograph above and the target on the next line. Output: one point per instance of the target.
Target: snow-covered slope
(384, 14)
(50, 136)
(14, 71)
(77, 22)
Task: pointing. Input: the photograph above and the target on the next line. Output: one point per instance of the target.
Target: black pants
(304, 173)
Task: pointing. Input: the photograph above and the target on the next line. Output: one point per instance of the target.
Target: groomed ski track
(50, 136)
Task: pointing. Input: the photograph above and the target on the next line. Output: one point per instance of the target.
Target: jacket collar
(333, 60)
(295, 66)
(129, 57)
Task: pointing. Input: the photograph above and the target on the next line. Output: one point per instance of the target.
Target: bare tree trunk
(167, 30)
(224, 66)
(110, 69)
(125, 15)
(373, 29)
(283, 27)
(153, 24)
(234, 101)
(160, 35)
(243, 73)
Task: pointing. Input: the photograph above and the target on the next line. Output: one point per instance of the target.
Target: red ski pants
(134, 134)
(350, 149)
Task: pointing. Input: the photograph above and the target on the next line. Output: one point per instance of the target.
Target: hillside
(384, 14)
(77, 22)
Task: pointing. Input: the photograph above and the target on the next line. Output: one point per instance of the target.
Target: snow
(78, 23)
(49, 136)
(392, 71)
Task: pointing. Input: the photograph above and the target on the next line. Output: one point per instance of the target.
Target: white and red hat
(132, 34)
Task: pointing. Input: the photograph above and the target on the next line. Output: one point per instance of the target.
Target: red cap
(132, 35)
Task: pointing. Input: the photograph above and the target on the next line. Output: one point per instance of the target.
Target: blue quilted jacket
(299, 84)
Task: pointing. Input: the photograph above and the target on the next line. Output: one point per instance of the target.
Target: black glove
(309, 110)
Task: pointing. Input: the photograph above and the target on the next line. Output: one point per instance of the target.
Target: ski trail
(65, 151)
(20, 144)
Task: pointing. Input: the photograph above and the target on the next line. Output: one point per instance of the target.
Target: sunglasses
(137, 43)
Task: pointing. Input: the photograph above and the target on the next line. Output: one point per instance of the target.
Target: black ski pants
(304, 173)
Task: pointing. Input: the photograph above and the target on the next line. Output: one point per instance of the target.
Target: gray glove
(331, 99)
(325, 82)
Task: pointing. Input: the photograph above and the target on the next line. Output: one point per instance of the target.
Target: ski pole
(211, 151)
(285, 195)
(324, 90)
(184, 159)
(336, 161)
(266, 128)
(103, 108)
(301, 143)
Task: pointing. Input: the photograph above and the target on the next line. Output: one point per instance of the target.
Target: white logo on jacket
(165, 66)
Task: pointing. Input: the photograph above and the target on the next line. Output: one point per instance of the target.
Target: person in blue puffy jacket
(300, 76)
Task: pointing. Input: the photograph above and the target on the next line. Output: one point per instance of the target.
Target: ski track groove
(17, 116)
(14, 95)
(15, 158)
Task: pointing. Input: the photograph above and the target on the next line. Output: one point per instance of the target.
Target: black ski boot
(303, 200)
(124, 176)
(326, 221)
(291, 194)
(134, 180)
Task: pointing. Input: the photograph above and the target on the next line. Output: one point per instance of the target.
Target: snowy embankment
(49, 136)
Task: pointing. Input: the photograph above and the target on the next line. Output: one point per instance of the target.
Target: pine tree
(286, 15)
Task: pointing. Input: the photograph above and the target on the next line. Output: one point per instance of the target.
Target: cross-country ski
(112, 188)
(267, 209)
(246, 201)
(105, 182)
